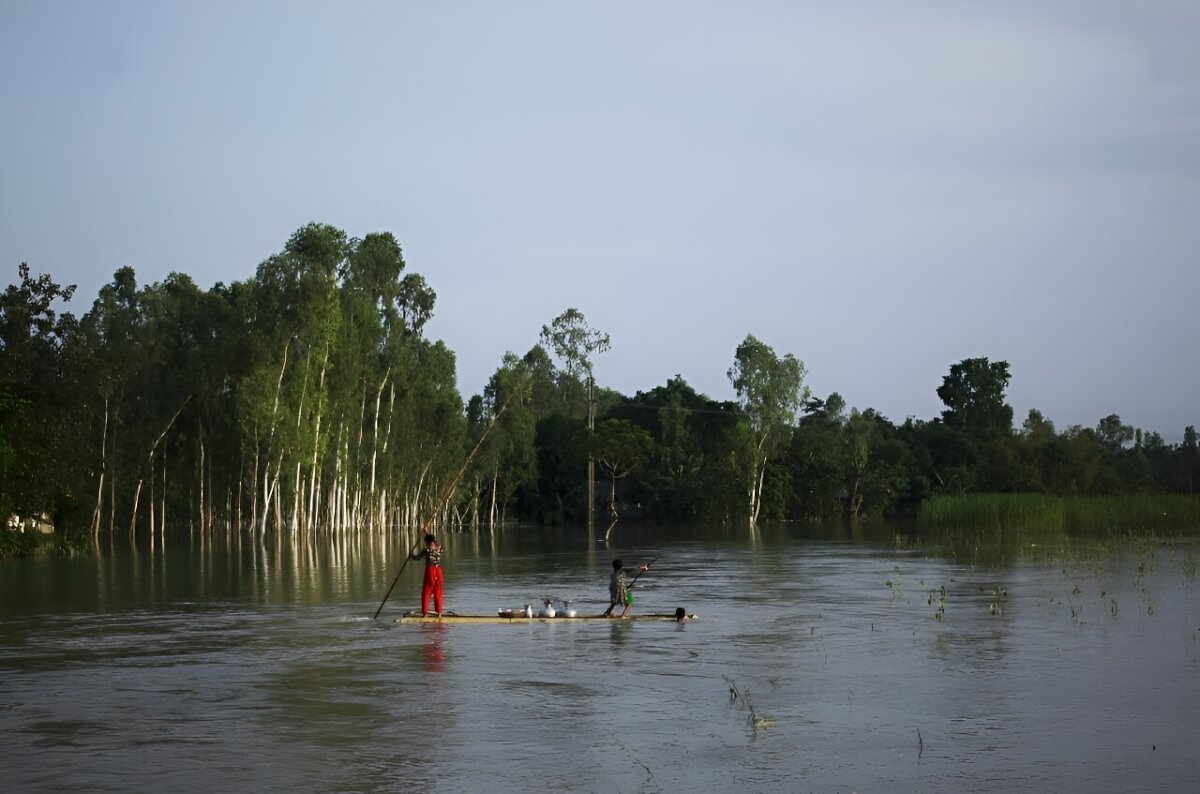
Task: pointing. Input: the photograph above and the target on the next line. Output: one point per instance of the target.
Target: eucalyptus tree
(575, 343)
(366, 358)
(297, 313)
(117, 354)
(508, 459)
(425, 431)
(770, 390)
(175, 385)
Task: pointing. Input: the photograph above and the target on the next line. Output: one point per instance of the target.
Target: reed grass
(30, 544)
(1084, 514)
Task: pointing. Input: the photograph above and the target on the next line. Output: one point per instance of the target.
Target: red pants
(432, 586)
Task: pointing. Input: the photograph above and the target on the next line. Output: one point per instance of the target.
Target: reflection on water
(435, 648)
(864, 657)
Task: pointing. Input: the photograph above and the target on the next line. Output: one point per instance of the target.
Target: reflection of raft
(517, 616)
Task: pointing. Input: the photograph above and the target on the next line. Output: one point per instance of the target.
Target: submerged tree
(622, 448)
(770, 390)
(575, 342)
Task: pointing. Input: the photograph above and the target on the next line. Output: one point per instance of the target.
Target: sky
(881, 189)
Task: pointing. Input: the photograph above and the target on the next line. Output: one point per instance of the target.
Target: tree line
(307, 399)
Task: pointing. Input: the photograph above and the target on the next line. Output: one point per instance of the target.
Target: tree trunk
(492, 509)
(612, 497)
(375, 429)
(253, 484)
(162, 530)
(271, 438)
(103, 470)
(137, 493)
(758, 474)
(591, 461)
(152, 480)
(112, 480)
(387, 437)
(296, 500)
(313, 497)
(200, 441)
(133, 517)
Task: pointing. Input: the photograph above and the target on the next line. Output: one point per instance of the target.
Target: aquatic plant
(1026, 511)
(938, 595)
(999, 597)
(742, 697)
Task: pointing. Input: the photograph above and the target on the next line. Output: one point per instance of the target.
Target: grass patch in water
(1018, 512)
(28, 544)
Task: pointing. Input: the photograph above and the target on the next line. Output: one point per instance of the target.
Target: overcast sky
(881, 189)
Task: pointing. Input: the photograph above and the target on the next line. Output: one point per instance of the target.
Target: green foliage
(306, 398)
(1062, 513)
(770, 390)
(574, 342)
(35, 393)
(28, 544)
(973, 393)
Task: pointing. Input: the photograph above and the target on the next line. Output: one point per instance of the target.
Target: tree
(1191, 458)
(575, 342)
(36, 399)
(622, 448)
(816, 459)
(973, 393)
(1113, 434)
(1036, 427)
(509, 456)
(770, 390)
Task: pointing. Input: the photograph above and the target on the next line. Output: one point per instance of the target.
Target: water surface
(827, 660)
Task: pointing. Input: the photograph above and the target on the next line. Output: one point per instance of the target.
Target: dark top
(433, 556)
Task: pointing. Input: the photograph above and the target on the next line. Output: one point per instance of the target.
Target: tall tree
(622, 448)
(1113, 433)
(770, 390)
(575, 343)
(973, 393)
(35, 396)
(1190, 453)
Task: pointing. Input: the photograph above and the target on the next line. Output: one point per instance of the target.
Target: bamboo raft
(516, 616)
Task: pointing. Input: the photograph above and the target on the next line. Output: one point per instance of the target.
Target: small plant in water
(742, 696)
(938, 595)
(996, 605)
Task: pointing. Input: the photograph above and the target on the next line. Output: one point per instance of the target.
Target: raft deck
(519, 617)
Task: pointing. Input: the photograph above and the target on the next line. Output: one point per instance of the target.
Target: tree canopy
(306, 398)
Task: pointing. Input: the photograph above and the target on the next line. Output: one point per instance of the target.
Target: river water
(822, 660)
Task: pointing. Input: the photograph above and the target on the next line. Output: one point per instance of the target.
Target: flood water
(822, 660)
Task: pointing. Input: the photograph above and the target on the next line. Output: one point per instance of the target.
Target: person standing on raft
(432, 584)
(618, 588)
